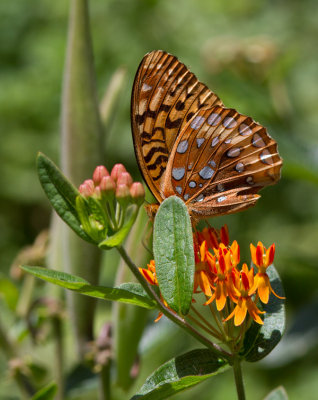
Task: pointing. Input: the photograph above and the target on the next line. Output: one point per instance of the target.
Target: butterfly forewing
(165, 97)
(219, 162)
(187, 144)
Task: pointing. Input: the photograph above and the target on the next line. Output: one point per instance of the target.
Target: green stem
(238, 379)
(105, 383)
(203, 327)
(59, 359)
(26, 294)
(169, 313)
(216, 319)
(211, 327)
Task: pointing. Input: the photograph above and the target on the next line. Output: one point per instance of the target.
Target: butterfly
(189, 145)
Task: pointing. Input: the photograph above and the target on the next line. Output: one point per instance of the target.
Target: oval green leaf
(260, 340)
(174, 255)
(180, 374)
(130, 293)
(61, 193)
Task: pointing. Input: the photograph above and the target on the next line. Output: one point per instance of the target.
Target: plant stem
(169, 313)
(238, 379)
(207, 330)
(26, 294)
(211, 327)
(104, 381)
(59, 356)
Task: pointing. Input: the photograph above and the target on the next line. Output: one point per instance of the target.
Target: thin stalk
(169, 313)
(211, 327)
(219, 324)
(238, 379)
(59, 356)
(104, 382)
(26, 294)
(206, 329)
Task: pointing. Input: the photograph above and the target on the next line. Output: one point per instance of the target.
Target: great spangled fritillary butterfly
(189, 145)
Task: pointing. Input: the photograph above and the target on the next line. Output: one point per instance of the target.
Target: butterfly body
(189, 145)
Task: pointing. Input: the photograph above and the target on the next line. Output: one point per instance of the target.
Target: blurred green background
(261, 58)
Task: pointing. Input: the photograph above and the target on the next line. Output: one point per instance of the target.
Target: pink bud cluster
(119, 183)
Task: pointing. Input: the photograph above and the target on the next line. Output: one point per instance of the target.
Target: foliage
(258, 56)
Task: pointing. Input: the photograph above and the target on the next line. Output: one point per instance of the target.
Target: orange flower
(244, 301)
(203, 277)
(263, 258)
(213, 237)
(221, 266)
(150, 273)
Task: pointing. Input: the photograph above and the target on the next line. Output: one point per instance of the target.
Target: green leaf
(260, 340)
(181, 373)
(118, 237)
(131, 294)
(61, 193)
(174, 255)
(46, 393)
(277, 394)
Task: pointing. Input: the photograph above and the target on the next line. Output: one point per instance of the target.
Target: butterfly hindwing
(220, 160)
(165, 97)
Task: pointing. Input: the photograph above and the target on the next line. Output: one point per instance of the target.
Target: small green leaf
(61, 193)
(174, 255)
(46, 393)
(180, 373)
(130, 295)
(260, 340)
(117, 238)
(277, 394)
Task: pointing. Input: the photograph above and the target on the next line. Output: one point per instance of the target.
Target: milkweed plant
(234, 309)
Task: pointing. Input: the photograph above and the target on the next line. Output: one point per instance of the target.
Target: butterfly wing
(165, 97)
(219, 162)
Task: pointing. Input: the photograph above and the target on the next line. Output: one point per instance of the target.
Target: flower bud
(86, 189)
(107, 184)
(137, 193)
(117, 170)
(124, 179)
(99, 173)
(122, 192)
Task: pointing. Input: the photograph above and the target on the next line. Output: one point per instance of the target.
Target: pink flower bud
(86, 189)
(122, 192)
(99, 173)
(137, 192)
(124, 179)
(117, 170)
(107, 184)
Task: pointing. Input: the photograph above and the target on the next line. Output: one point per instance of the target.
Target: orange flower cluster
(217, 275)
